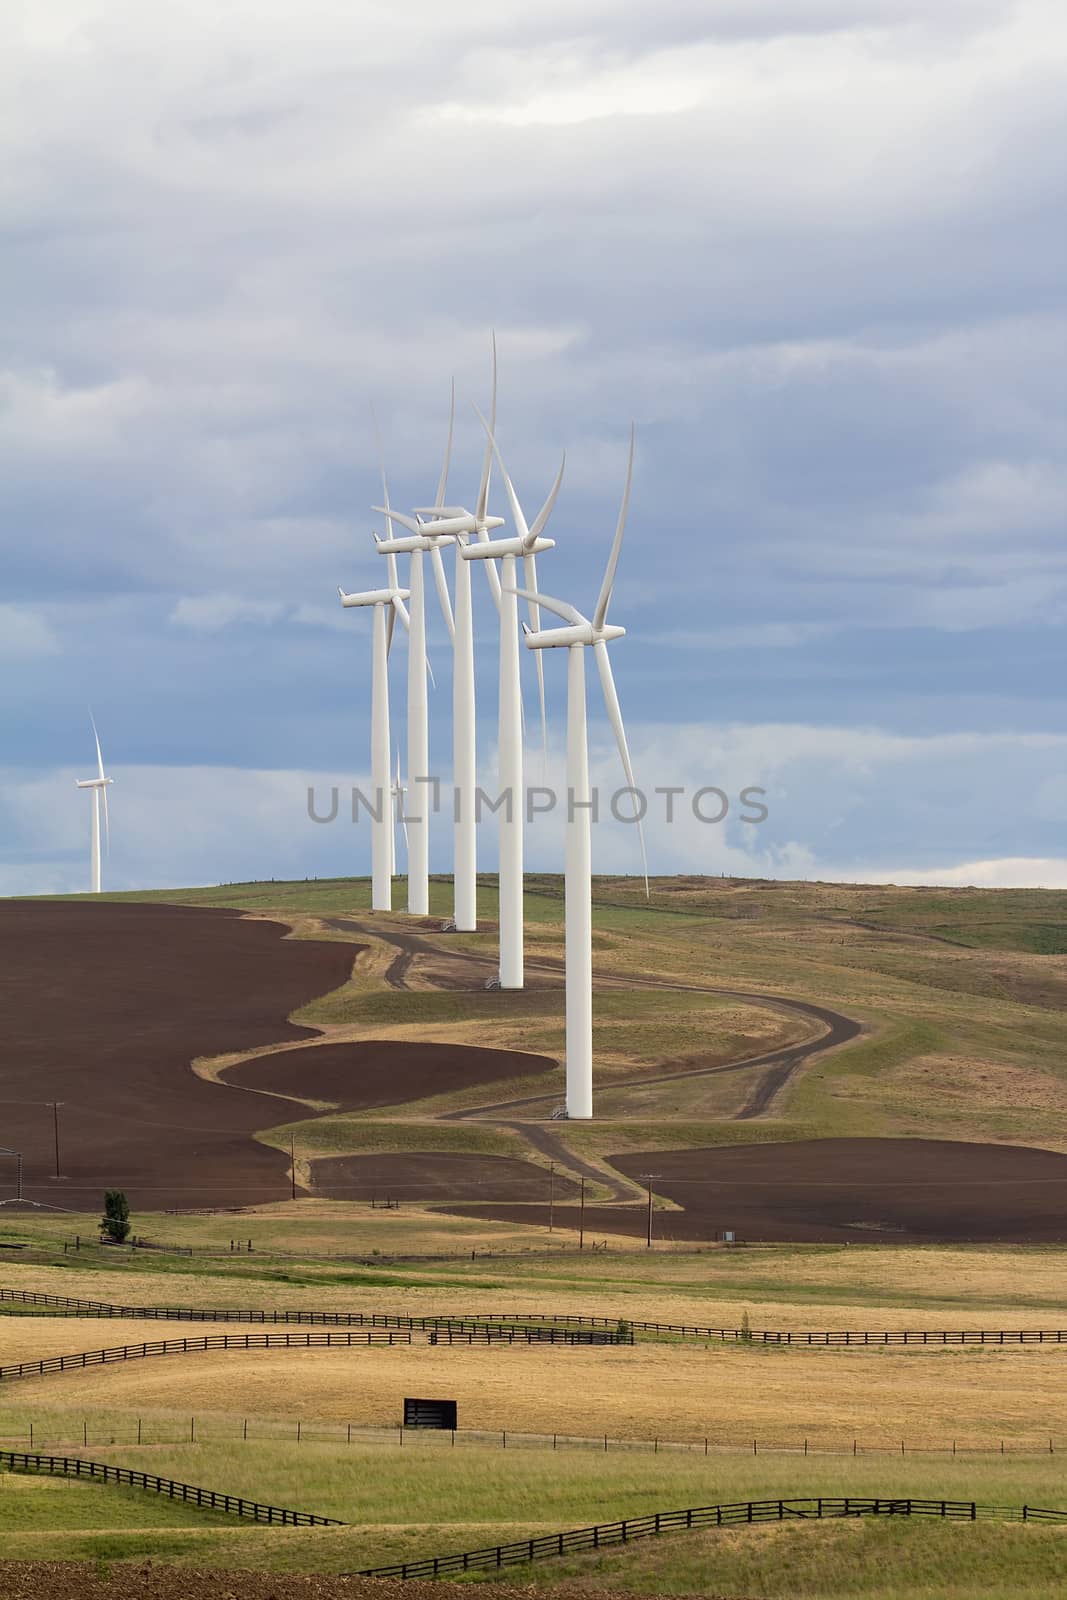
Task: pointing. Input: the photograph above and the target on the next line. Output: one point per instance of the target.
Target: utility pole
(55, 1130)
(551, 1194)
(292, 1167)
(581, 1217)
(649, 1178)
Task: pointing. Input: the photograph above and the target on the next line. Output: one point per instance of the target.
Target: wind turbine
(423, 537)
(397, 792)
(466, 526)
(388, 604)
(526, 545)
(99, 786)
(575, 638)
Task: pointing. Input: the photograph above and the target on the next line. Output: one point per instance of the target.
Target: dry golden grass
(730, 1394)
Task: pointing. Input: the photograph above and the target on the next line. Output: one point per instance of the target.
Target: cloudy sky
(815, 249)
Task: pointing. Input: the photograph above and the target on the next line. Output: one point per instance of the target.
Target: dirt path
(461, 969)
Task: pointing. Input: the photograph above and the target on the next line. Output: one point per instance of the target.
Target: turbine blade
(560, 608)
(441, 511)
(390, 624)
(546, 510)
(411, 523)
(381, 463)
(492, 572)
(442, 486)
(99, 757)
(487, 461)
(107, 821)
(442, 590)
(513, 500)
(429, 673)
(613, 559)
(402, 612)
(529, 563)
(611, 701)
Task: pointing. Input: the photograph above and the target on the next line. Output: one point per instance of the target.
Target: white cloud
(24, 634)
(209, 612)
(844, 805)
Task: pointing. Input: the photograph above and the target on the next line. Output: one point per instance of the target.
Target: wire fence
(187, 1493)
(604, 1535)
(103, 1431)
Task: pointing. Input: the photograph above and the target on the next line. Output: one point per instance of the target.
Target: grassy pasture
(402, 1504)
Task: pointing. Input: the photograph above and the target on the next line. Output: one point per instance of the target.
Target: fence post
(705, 1446)
(349, 1438)
(805, 1447)
(138, 1430)
(192, 1430)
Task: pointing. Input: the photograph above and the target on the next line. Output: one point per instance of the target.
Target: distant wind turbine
(466, 526)
(423, 537)
(576, 637)
(526, 545)
(397, 793)
(388, 604)
(99, 786)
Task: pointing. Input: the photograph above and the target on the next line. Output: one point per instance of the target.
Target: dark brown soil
(104, 1006)
(69, 1580)
(435, 1176)
(835, 1190)
(375, 1072)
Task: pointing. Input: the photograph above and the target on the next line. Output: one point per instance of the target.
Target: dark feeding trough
(429, 1413)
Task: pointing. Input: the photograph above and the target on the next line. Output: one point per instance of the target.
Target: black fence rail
(507, 1328)
(610, 1330)
(327, 1340)
(188, 1493)
(605, 1534)
(832, 1337)
(208, 1341)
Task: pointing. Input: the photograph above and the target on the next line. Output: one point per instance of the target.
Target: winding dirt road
(831, 1029)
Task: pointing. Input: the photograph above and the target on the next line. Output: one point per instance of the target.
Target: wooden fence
(535, 1321)
(605, 1534)
(333, 1339)
(187, 1493)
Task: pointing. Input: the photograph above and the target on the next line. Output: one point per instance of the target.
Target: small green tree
(115, 1223)
(746, 1329)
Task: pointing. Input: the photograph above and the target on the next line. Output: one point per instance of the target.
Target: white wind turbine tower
(99, 786)
(467, 526)
(527, 544)
(388, 604)
(423, 537)
(575, 638)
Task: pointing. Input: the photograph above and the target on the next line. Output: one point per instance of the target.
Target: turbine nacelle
(490, 549)
(456, 520)
(582, 633)
(423, 535)
(92, 783)
(374, 597)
